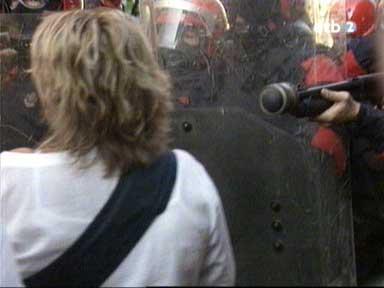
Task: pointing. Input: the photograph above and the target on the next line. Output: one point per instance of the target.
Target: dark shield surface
(20, 124)
(287, 198)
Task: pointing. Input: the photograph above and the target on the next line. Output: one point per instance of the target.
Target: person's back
(48, 203)
(107, 105)
(8, 272)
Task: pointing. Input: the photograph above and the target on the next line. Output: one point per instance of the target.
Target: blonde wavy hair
(100, 88)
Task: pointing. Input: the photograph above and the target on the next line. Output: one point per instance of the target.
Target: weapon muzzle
(278, 98)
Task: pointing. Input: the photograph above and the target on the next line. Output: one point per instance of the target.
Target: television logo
(333, 27)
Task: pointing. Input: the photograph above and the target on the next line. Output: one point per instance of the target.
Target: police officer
(359, 59)
(276, 37)
(366, 126)
(188, 41)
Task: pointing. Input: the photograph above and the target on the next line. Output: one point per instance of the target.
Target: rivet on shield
(278, 246)
(187, 127)
(277, 226)
(275, 206)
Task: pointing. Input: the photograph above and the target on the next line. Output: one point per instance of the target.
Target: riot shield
(20, 121)
(284, 182)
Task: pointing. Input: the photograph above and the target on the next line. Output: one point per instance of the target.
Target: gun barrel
(280, 98)
(360, 82)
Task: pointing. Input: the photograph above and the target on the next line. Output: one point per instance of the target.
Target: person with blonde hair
(102, 200)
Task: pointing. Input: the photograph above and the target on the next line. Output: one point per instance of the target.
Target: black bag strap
(134, 204)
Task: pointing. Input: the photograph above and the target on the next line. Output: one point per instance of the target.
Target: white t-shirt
(47, 203)
(8, 271)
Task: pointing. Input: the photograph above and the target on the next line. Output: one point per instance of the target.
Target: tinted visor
(177, 26)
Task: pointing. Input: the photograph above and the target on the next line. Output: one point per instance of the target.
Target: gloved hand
(345, 108)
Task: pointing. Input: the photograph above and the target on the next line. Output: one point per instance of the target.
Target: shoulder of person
(9, 156)
(194, 181)
(29, 158)
(22, 150)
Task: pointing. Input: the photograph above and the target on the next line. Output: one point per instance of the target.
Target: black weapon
(280, 98)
